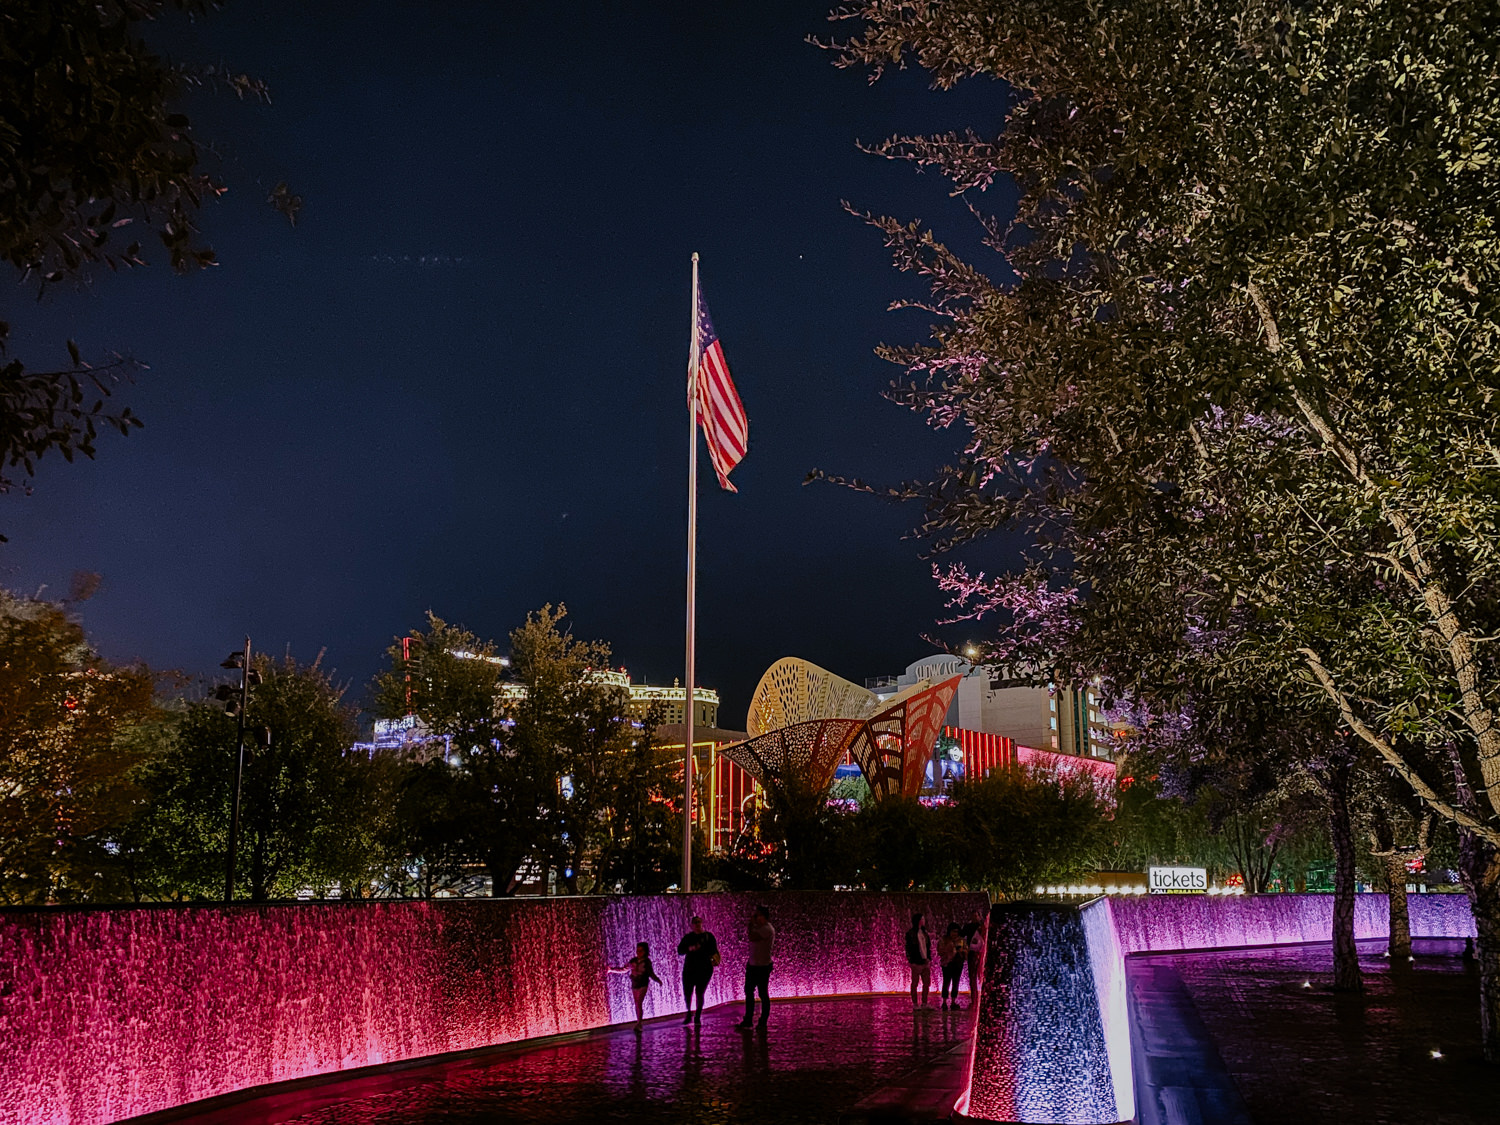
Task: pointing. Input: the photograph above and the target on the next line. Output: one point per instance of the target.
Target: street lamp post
(242, 662)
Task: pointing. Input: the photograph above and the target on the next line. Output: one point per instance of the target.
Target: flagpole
(692, 588)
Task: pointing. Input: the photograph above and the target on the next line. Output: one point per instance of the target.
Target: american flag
(719, 408)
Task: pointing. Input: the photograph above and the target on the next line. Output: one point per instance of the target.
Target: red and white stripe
(721, 413)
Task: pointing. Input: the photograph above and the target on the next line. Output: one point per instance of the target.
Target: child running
(641, 975)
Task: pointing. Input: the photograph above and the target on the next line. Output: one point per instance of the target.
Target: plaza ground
(813, 1064)
(1299, 1052)
(1291, 1050)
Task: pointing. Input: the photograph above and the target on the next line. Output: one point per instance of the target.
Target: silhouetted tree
(68, 766)
(1248, 352)
(97, 162)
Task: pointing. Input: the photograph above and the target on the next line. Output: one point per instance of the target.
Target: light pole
(225, 692)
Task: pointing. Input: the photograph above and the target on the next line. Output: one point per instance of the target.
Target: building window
(1054, 724)
(1052, 705)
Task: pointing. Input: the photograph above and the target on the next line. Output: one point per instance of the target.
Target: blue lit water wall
(106, 1014)
(1040, 1050)
(1053, 1038)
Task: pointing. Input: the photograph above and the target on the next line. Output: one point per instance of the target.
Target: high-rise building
(1066, 720)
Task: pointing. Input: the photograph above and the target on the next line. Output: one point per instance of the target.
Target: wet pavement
(816, 1060)
(1298, 1052)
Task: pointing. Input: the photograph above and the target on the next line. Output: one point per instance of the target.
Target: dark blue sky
(458, 384)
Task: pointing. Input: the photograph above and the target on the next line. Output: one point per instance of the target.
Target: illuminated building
(722, 788)
(673, 699)
(804, 721)
(1056, 718)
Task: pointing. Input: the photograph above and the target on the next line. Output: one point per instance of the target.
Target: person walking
(952, 949)
(919, 957)
(761, 936)
(977, 934)
(641, 975)
(699, 951)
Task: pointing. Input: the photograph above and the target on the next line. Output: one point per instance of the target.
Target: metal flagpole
(692, 589)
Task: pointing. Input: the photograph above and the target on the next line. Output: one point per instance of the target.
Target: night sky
(459, 383)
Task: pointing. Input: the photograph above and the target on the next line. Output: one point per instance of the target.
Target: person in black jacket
(699, 950)
(919, 957)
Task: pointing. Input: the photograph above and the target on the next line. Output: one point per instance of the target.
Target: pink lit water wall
(107, 1014)
(1052, 1043)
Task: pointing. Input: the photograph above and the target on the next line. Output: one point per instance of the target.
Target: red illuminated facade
(982, 753)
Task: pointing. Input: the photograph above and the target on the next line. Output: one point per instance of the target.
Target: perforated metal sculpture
(809, 751)
(795, 691)
(892, 748)
(804, 719)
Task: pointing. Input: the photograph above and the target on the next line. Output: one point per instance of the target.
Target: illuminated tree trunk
(1346, 975)
(1395, 882)
(1479, 862)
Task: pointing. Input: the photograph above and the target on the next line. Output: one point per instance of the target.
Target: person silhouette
(699, 950)
(761, 936)
(919, 957)
(641, 975)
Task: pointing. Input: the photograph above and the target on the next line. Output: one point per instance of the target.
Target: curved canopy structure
(809, 751)
(804, 719)
(795, 691)
(892, 748)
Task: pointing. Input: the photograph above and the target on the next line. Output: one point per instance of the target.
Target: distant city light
(465, 654)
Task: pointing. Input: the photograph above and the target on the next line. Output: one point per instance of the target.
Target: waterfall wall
(1163, 923)
(1041, 1051)
(110, 1013)
(1053, 1038)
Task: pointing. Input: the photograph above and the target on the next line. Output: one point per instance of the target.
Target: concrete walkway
(1179, 1077)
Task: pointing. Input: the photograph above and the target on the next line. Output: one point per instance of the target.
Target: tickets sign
(1177, 880)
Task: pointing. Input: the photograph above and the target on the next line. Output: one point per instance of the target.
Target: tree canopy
(68, 768)
(97, 163)
(1237, 379)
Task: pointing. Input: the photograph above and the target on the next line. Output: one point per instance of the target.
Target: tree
(547, 764)
(309, 805)
(640, 841)
(1261, 769)
(1250, 354)
(96, 160)
(491, 809)
(809, 843)
(1022, 826)
(898, 844)
(67, 766)
(1399, 831)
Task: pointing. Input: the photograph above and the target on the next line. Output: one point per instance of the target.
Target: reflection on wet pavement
(815, 1060)
(1300, 1052)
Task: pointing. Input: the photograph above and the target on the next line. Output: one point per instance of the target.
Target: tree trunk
(1395, 882)
(1479, 863)
(1346, 975)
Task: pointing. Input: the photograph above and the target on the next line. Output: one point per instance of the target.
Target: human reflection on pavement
(817, 1061)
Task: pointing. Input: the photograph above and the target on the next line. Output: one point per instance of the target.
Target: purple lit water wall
(1053, 1038)
(1166, 923)
(106, 1014)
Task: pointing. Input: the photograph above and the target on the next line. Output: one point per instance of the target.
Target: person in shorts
(919, 957)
